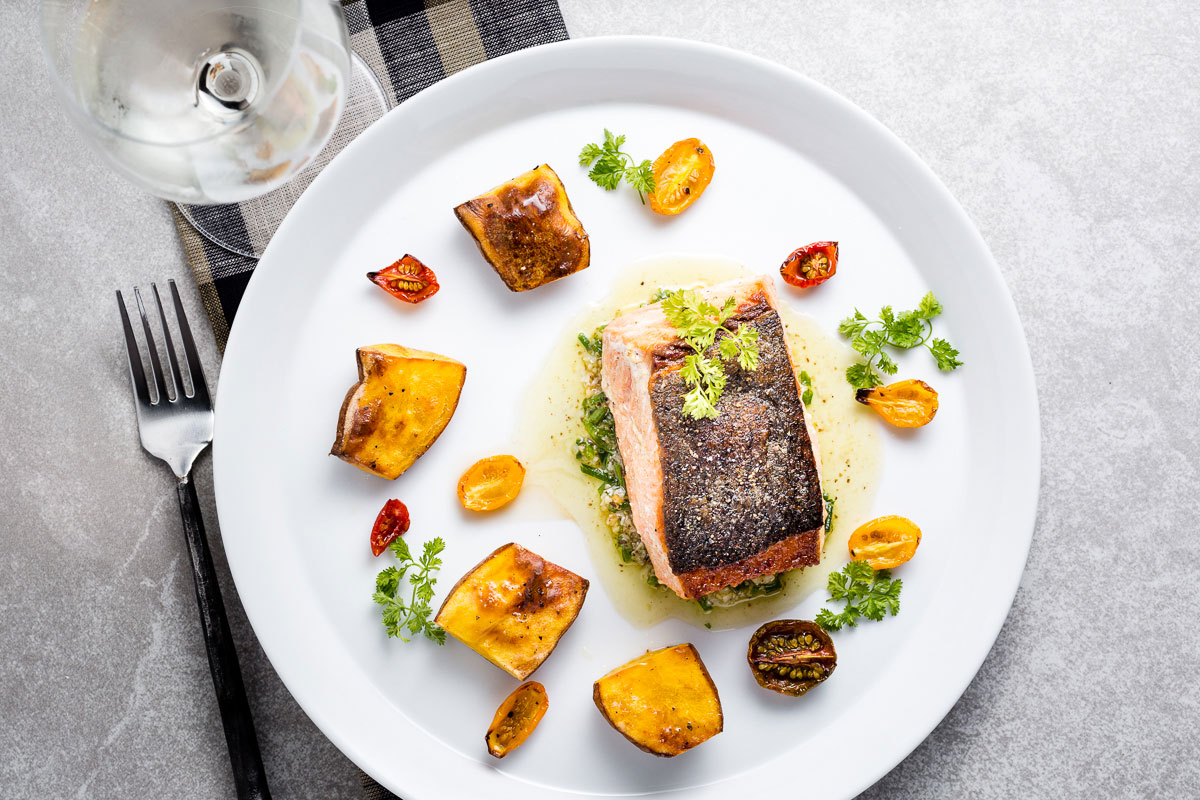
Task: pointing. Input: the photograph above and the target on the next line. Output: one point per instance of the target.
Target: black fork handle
(248, 773)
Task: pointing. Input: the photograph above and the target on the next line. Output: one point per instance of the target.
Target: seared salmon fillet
(716, 501)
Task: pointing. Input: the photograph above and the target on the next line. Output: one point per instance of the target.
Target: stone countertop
(1069, 133)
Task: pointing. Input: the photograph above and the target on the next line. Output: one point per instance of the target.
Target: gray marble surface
(1069, 131)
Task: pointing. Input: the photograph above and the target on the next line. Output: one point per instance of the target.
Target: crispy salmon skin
(716, 501)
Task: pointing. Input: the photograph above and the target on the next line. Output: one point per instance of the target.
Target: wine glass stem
(229, 81)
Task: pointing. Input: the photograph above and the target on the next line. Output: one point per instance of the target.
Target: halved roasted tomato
(681, 175)
(393, 521)
(491, 483)
(886, 542)
(905, 404)
(810, 265)
(408, 280)
(516, 718)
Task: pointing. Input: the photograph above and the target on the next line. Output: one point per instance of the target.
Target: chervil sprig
(867, 593)
(904, 330)
(698, 323)
(411, 617)
(609, 165)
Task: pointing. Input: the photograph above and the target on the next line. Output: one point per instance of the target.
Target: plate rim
(234, 354)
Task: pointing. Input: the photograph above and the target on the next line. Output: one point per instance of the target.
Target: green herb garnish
(867, 593)
(830, 502)
(905, 330)
(600, 458)
(806, 382)
(597, 453)
(594, 344)
(609, 165)
(412, 617)
(698, 322)
(746, 590)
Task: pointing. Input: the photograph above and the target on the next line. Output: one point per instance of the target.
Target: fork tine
(155, 365)
(195, 371)
(172, 358)
(137, 374)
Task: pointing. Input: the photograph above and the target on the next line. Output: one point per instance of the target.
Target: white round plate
(795, 163)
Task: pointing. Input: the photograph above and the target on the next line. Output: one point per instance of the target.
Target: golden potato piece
(402, 402)
(527, 230)
(512, 607)
(665, 702)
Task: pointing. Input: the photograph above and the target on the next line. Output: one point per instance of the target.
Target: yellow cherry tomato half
(885, 542)
(905, 404)
(681, 174)
(491, 483)
(516, 718)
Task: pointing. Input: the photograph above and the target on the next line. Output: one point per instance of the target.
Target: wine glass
(201, 101)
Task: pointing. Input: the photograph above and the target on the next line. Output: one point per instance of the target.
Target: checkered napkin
(409, 45)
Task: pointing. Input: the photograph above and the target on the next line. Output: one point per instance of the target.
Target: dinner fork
(176, 427)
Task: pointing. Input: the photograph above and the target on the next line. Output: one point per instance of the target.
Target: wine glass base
(248, 232)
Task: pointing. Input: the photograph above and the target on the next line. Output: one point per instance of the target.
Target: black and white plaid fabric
(409, 45)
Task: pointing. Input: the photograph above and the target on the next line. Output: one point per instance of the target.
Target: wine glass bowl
(201, 101)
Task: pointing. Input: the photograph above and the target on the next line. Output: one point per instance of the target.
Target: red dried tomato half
(811, 265)
(408, 280)
(392, 521)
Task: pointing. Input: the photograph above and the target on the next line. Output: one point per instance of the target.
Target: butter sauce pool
(846, 437)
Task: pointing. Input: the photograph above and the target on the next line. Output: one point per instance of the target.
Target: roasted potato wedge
(512, 608)
(402, 402)
(527, 230)
(665, 702)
